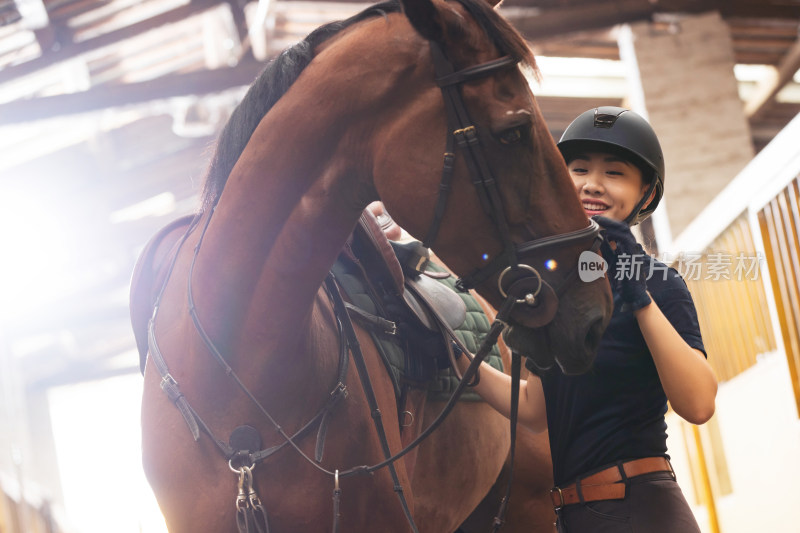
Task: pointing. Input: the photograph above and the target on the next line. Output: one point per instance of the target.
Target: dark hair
(269, 86)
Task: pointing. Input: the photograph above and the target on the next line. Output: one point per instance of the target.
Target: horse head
(506, 218)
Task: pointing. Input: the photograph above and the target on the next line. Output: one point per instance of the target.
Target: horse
(420, 104)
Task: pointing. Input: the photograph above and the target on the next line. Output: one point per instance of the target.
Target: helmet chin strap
(629, 220)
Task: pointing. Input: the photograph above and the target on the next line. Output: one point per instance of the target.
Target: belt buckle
(671, 470)
(557, 490)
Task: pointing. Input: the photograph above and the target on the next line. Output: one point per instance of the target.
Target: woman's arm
(687, 378)
(495, 388)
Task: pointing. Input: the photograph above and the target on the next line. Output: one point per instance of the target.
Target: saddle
(399, 284)
(382, 258)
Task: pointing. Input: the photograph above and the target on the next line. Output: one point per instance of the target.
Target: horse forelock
(500, 32)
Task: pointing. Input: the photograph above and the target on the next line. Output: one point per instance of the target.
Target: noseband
(526, 282)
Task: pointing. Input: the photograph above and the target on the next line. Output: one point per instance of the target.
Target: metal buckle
(340, 390)
(469, 130)
(671, 470)
(168, 381)
(560, 497)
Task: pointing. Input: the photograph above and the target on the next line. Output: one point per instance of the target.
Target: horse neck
(289, 205)
(264, 258)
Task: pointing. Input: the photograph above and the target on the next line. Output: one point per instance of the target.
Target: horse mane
(272, 83)
(281, 72)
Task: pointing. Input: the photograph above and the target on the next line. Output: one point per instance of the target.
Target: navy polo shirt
(616, 410)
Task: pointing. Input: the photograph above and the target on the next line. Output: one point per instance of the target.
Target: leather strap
(608, 484)
(478, 71)
(591, 493)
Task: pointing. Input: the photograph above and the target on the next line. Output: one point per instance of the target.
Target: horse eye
(511, 136)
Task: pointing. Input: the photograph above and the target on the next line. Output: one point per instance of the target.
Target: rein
(242, 453)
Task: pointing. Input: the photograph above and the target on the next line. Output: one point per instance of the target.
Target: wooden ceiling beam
(760, 9)
(114, 96)
(536, 24)
(51, 57)
(544, 21)
(237, 9)
(766, 90)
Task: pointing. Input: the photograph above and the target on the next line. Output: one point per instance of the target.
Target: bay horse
(246, 339)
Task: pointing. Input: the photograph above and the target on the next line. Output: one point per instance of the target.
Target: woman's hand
(633, 282)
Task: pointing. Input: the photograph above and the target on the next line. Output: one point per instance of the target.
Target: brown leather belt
(607, 484)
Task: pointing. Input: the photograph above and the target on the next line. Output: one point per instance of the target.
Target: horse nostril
(593, 335)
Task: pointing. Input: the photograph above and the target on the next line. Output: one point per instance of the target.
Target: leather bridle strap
(463, 132)
(592, 231)
(369, 392)
(516, 375)
(478, 71)
(193, 420)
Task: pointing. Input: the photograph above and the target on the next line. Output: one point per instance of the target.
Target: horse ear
(424, 17)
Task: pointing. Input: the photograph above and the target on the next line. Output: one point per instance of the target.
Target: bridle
(463, 132)
(242, 452)
(518, 283)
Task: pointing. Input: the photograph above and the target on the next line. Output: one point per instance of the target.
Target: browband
(478, 71)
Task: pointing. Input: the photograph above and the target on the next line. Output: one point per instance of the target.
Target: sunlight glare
(98, 443)
(37, 250)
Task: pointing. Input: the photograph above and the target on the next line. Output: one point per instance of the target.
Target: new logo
(591, 266)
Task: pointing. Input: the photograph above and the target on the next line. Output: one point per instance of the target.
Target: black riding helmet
(620, 131)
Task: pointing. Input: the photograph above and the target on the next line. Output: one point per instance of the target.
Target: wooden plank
(52, 57)
(237, 9)
(759, 9)
(766, 90)
(111, 96)
(535, 23)
(758, 28)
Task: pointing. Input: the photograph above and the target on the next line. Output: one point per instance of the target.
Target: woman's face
(607, 185)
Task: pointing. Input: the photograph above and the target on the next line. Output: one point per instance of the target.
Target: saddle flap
(148, 277)
(428, 295)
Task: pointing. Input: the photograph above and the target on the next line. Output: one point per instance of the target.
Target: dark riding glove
(627, 267)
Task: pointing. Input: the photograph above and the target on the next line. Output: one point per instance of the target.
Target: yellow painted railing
(725, 282)
(779, 222)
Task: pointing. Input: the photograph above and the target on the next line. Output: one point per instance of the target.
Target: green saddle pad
(408, 368)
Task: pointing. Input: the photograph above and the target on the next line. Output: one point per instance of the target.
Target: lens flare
(485, 257)
(551, 264)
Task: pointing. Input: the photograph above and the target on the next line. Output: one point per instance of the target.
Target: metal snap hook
(240, 469)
